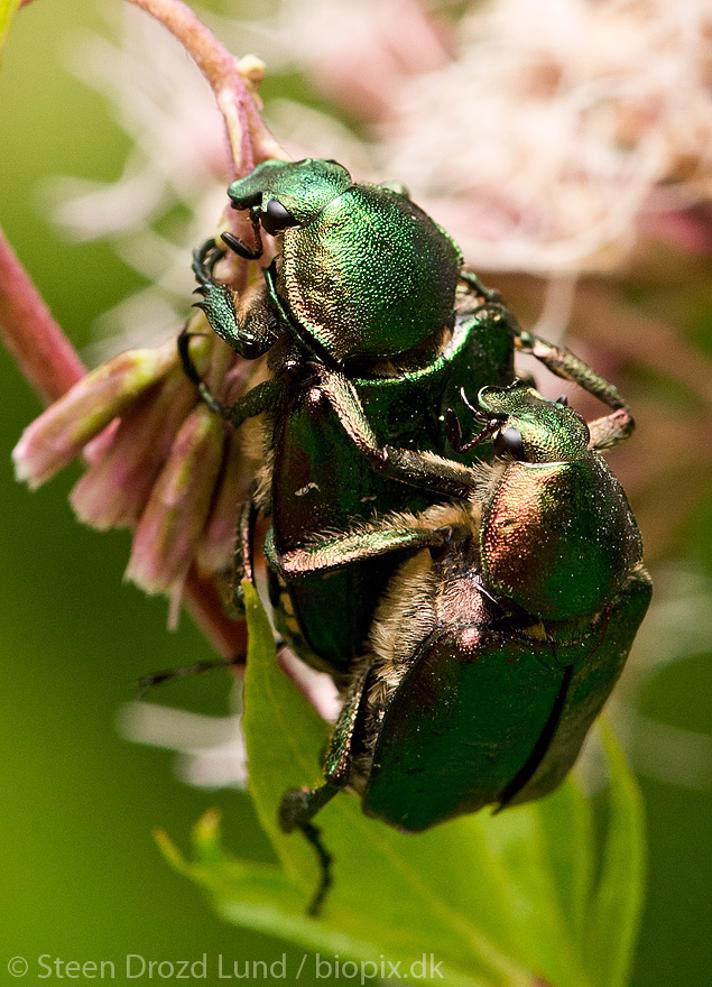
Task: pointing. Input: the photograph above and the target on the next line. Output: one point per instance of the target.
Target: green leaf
(539, 914)
(567, 820)
(618, 897)
(284, 735)
(498, 900)
(8, 9)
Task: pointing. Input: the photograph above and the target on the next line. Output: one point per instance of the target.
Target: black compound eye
(508, 441)
(276, 218)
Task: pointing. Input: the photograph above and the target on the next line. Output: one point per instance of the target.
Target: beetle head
(281, 194)
(532, 429)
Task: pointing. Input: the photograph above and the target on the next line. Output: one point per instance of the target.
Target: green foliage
(521, 898)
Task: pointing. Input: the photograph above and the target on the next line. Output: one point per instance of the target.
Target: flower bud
(54, 439)
(172, 523)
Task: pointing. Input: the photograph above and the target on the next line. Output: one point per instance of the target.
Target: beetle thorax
(370, 276)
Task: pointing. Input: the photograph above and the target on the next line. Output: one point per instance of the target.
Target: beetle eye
(276, 218)
(508, 441)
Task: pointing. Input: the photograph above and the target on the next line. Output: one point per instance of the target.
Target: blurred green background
(81, 876)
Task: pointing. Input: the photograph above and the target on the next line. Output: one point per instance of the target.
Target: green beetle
(363, 274)
(497, 642)
(367, 287)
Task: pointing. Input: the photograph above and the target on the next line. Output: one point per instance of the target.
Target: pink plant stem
(41, 350)
(203, 602)
(247, 135)
(50, 364)
(248, 138)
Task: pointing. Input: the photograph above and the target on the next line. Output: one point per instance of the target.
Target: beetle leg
(252, 330)
(166, 675)
(606, 431)
(260, 398)
(490, 294)
(296, 810)
(299, 806)
(442, 476)
(189, 369)
(244, 550)
(369, 541)
(205, 258)
(337, 763)
(609, 430)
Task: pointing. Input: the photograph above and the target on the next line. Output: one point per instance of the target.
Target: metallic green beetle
(494, 625)
(497, 642)
(364, 273)
(366, 288)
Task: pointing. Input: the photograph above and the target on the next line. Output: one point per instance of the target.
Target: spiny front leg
(253, 329)
(418, 469)
(260, 398)
(384, 536)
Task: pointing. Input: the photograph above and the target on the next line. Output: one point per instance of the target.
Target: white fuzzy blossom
(539, 134)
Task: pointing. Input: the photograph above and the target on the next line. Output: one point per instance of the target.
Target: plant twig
(41, 350)
(249, 139)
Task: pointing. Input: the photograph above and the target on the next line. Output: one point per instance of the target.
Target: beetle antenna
(454, 429)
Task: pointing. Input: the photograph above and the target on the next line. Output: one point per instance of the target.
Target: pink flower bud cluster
(157, 459)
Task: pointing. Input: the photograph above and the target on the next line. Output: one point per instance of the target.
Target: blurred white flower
(541, 136)
(556, 125)
(172, 187)
(211, 749)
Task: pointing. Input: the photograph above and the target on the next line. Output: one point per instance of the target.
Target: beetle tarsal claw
(312, 835)
(296, 810)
